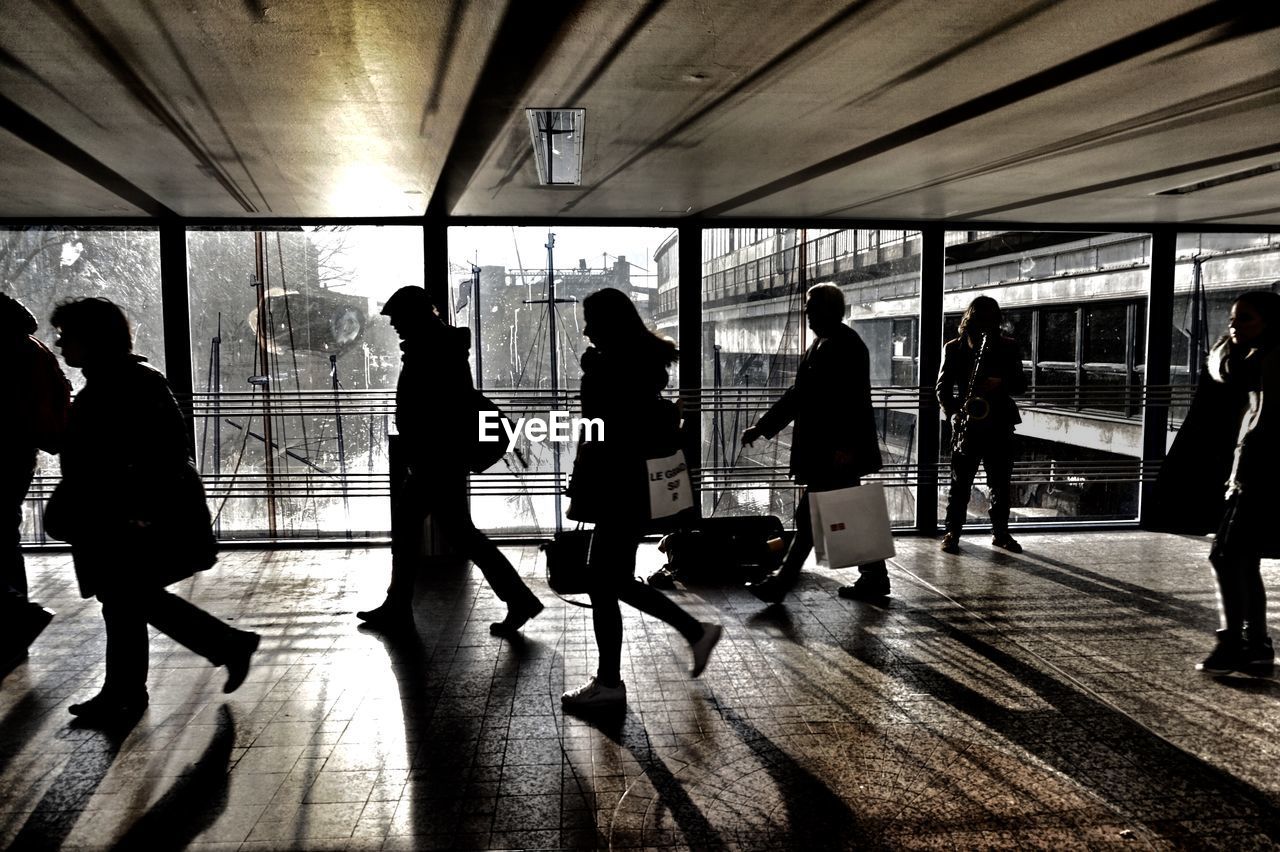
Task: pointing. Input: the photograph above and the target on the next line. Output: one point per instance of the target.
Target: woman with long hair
(1247, 359)
(623, 374)
(132, 507)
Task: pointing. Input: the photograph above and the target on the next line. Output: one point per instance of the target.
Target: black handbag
(567, 572)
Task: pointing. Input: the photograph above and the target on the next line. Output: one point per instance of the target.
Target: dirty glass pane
(1076, 305)
(294, 374)
(42, 266)
(520, 290)
(754, 332)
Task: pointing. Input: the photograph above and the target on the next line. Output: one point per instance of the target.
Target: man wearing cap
(436, 416)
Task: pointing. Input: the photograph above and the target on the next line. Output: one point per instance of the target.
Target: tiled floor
(1041, 700)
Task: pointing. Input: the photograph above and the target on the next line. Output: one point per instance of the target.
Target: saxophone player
(981, 373)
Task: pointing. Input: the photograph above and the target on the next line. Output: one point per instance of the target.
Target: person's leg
(189, 625)
(964, 467)
(207, 635)
(609, 545)
(453, 512)
(408, 515)
(611, 556)
(1232, 564)
(17, 468)
(774, 588)
(997, 458)
(22, 620)
(127, 644)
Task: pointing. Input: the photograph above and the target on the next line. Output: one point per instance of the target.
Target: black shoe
(1259, 652)
(388, 618)
(772, 589)
(1226, 657)
(866, 589)
(951, 543)
(517, 617)
(244, 645)
(1006, 541)
(107, 708)
(662, 579)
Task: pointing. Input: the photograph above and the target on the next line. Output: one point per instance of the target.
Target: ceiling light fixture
(557, 144)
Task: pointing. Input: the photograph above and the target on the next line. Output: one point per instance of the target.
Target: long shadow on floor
(816, 818)
(194, 802)
(443, 718)
(63, 803)
(627, 730)
(1128, 595)
(1134, 771)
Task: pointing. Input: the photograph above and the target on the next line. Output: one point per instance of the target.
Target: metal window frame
(692, 230)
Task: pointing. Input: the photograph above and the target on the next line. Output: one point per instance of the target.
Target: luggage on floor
(723, 551)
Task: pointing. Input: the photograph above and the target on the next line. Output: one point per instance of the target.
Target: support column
(435, 260)
(932, 277)
(690, 325)
(1155, 411)
(176, 313)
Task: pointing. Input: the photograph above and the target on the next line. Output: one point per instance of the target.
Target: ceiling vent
(557, 144)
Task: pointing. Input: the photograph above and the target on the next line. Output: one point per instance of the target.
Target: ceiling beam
(1215, 14)
(42, 137)
(525, 40)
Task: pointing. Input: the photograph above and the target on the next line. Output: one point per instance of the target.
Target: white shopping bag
(670, 490)
(850, 526)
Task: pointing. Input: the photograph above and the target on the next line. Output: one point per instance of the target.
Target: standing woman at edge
(1247, 358)
(623, 374)
(133, 510)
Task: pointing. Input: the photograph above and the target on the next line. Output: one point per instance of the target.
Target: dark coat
(130, 495)
(609, 480)
(31, 416)
(1194, 473)
(1003, 361)
(436, 399)
(1246, 531)
(830, 405)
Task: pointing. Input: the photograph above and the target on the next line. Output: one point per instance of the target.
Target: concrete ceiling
(966, 110)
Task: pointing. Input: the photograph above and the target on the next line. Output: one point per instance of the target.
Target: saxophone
(975, 408)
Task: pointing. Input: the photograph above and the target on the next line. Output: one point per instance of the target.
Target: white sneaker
(702, 648)
(592, 695)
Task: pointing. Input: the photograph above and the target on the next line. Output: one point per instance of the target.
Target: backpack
(485, 454)
(48, 403)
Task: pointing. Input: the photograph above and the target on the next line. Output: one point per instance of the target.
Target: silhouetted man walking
(834, 442)
(436, 416)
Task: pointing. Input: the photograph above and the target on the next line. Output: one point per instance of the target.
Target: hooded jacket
(436, 398)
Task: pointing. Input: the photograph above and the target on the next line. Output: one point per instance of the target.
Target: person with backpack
(36, 421)
(437, 417)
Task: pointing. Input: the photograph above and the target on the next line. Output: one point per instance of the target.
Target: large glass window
(1076, 305)
(754, 334)
(294, 374)
(520, 290)
(42, 266)
(1212, 271)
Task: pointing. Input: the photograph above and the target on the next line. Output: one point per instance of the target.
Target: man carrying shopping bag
(833, 442)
